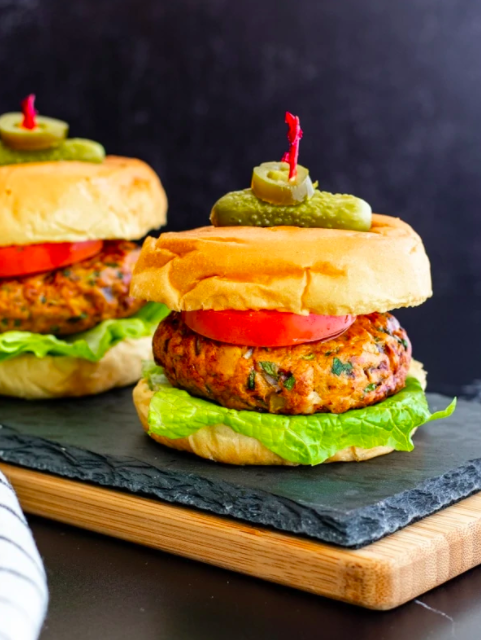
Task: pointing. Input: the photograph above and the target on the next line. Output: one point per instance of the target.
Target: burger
(280, 348)
(68, 215)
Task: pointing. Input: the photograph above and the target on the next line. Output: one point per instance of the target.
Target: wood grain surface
(382, 575)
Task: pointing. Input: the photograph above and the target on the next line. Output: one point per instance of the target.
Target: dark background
(389, 96)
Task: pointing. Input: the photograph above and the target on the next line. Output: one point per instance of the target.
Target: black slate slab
(99, 440)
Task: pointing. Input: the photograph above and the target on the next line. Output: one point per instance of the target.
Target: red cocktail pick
(294, 135)
(29, 112)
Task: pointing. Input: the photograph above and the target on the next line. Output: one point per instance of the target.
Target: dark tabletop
(101, 588)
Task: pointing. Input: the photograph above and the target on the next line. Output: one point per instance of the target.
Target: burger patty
(74, 298)
(364, 365)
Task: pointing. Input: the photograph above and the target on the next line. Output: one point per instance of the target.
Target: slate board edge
(359, 528)
(354, 530)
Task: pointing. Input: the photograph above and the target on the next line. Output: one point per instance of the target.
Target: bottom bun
(35, 378)
(222, 444)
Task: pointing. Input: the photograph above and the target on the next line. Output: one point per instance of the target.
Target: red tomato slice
(265, 328)
(34, 258)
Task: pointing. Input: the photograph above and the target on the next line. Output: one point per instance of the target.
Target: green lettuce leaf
(88, 345)
(300, 439)
(153, 374)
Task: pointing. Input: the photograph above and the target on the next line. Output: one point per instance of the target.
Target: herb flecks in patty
(339, 367)
(270, 368)
(283, 380)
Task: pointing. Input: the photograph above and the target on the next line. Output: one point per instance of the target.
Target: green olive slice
(270, 183)
(47, 133)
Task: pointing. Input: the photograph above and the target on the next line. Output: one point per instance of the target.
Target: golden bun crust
(75, 201)
(324, 271)
(223, 444)
(35, 378)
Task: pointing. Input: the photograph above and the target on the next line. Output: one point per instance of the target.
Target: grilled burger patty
(363, 366)
(72, 299)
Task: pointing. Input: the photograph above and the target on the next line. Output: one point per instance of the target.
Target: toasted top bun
(324, 271)
(76, 201)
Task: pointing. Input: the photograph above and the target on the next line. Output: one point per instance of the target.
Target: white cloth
(23, 584)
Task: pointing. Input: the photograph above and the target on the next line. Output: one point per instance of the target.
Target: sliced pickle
(270, 182)
(72, 149)
(325, 210)
(47, 133)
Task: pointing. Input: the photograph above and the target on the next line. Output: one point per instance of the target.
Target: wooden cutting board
(342, 530)
(382, 575)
